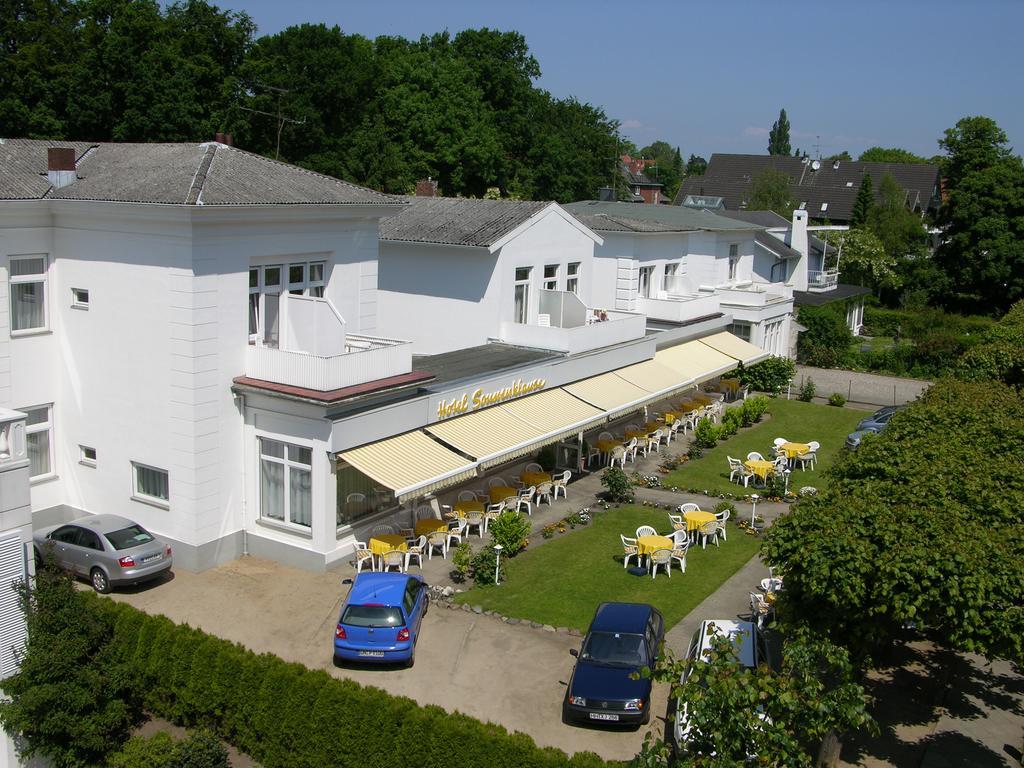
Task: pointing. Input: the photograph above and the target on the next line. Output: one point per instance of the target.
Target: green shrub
(617, 485)
(837, 400)
(723, 506)
(769, 375)
(827, 339)
(694, 451)
(807, 390)
(201, 750)
(484, 562)
(158, 751)
(705, 434)
(511, 529)
(753, 409)
(461, 562)
(547, 457)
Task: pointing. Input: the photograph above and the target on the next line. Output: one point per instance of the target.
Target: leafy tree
(73, 699)
(901, 231)
(827, 338)
(863, 203)
(778, 138)
(741, 716)
(696, 166)
(945, 551)
(770, 375)
(891, 155)
(983, 252)
(770, 192)
(1000, 355)
(843, 156)
(667, 168)
(864, 260)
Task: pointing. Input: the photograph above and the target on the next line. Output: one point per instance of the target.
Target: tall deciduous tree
(667, 168)
(901, 231)
(983, 252)
(769, 191)
(864, 201)
(778, 138)
(864, 260)
(890, 155)
(696, 166)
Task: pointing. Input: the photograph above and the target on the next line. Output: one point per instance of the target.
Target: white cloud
(752, 130)
(632, 124)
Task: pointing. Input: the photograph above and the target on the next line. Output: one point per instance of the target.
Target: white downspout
(244, 479)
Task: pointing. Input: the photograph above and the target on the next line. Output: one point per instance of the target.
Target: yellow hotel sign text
(480, 399)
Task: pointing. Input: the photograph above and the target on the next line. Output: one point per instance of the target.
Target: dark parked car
(623, 639)
(872, 425)
(380, 619)
(109, 550)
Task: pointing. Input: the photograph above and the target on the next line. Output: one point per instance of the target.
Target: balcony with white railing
(566, 324)
(821, 280)
(317, 353)
(678, 304)
(754, 294)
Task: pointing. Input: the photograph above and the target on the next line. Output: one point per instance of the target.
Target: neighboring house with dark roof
(675, 264)
(642, 187)
(511, 271)
(825, 189)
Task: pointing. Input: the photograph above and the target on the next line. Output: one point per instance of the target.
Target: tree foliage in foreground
(1000, 355)
(922, 524)
(762, 717)
(864, 260)
(72, 699)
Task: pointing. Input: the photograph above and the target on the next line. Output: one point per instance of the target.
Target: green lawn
(562, 581)
(791, 419)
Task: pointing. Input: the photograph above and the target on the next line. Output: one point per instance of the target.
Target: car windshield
(372, 616)
(126, 538)
(615, 648)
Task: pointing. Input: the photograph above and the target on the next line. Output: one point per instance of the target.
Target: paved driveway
(511, 675)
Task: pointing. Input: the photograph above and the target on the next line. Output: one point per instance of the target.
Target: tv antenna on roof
(281, 119)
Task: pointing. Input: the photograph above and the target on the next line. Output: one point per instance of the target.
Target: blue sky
(711, 76)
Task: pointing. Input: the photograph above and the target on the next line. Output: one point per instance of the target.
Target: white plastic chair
(653, 442)
(629, 549)
(437, 540)
(677, 522)
(618, 454)
(525, 499)
(722, 518)
(416, 550)
(393, 559)
(534, 467)
(544, 493)
(760, 609)
(754, 456)
(680, 546)
(707, 531)
(458, 527)
(736, 470)
(467, 496)
(561, 484)
(475, 520)
(363, 555)
(811, 457)
(382, 530)
(662, 557)
(688, 507)
(672, 429)
(631, 448)
(778, 441)
(605, 436)
(424, 512)
(645, 530)
(593, 452)
(496, 482)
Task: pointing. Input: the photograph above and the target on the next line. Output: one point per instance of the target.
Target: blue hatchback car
(380, 619)
(605, 686)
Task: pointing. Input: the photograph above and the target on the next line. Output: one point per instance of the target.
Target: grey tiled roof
(639, 179)
(457, 220)
(208, 174)
(731, 177)
(761, 218)
(476, 361)
(629, 217)
(773, 243)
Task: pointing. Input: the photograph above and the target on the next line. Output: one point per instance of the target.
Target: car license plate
(151, 558)
(603, 716)
(375, 655)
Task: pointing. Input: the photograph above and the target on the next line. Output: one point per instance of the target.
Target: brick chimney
(222, 138)
(426, 188)
(60, 166)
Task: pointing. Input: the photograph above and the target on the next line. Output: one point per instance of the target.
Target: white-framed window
(150, 484)
(28, 293)
(267, 283)
(643, 283)
(550, 277)
(521, 295)
(773, 338)
(286, 483)
(87, 455)
(672, 284)
(572, 277)
(734, 261)
(80, 298)
(39, 440)
(742, 330)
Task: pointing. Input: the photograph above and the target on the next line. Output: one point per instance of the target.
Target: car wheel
(410, 661)
(100, 582)
(647, 717)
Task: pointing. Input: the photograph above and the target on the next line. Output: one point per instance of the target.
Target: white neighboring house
(677, 264)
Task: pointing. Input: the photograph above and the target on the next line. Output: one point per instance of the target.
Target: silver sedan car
(107, 550)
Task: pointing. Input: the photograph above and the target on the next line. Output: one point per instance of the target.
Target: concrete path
(857, 387)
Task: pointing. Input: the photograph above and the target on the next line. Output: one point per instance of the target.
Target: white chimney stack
(798, 242)
(60, 166)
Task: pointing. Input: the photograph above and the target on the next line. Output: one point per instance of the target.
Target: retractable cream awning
(411, 465)
(734, 346)
(653, 376)
(504, 432)
(695, 362)
(609, 392)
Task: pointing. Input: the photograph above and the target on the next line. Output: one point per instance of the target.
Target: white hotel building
(226, 348)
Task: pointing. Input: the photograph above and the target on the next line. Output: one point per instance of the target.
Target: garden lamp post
(753, 509)
(497, 562)
(785, 474)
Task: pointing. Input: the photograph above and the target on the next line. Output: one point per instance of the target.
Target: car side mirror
(574, 652)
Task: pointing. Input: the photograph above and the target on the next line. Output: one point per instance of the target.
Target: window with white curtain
(286, 486)
(150, 484)
(39, 440)
(28, 293)
(643, 285)
(734, 261)
(521, 295)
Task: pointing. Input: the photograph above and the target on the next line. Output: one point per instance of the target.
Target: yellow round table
(696, 518)
(501, 492)
(761, 469)
(639, 434)
(429, 525)
(792, 450)
(645, 545)
(651, 426)
(535, 478)
(462, 507)
(387, 542)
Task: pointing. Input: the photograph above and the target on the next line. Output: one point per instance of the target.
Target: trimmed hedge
(287, 715)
